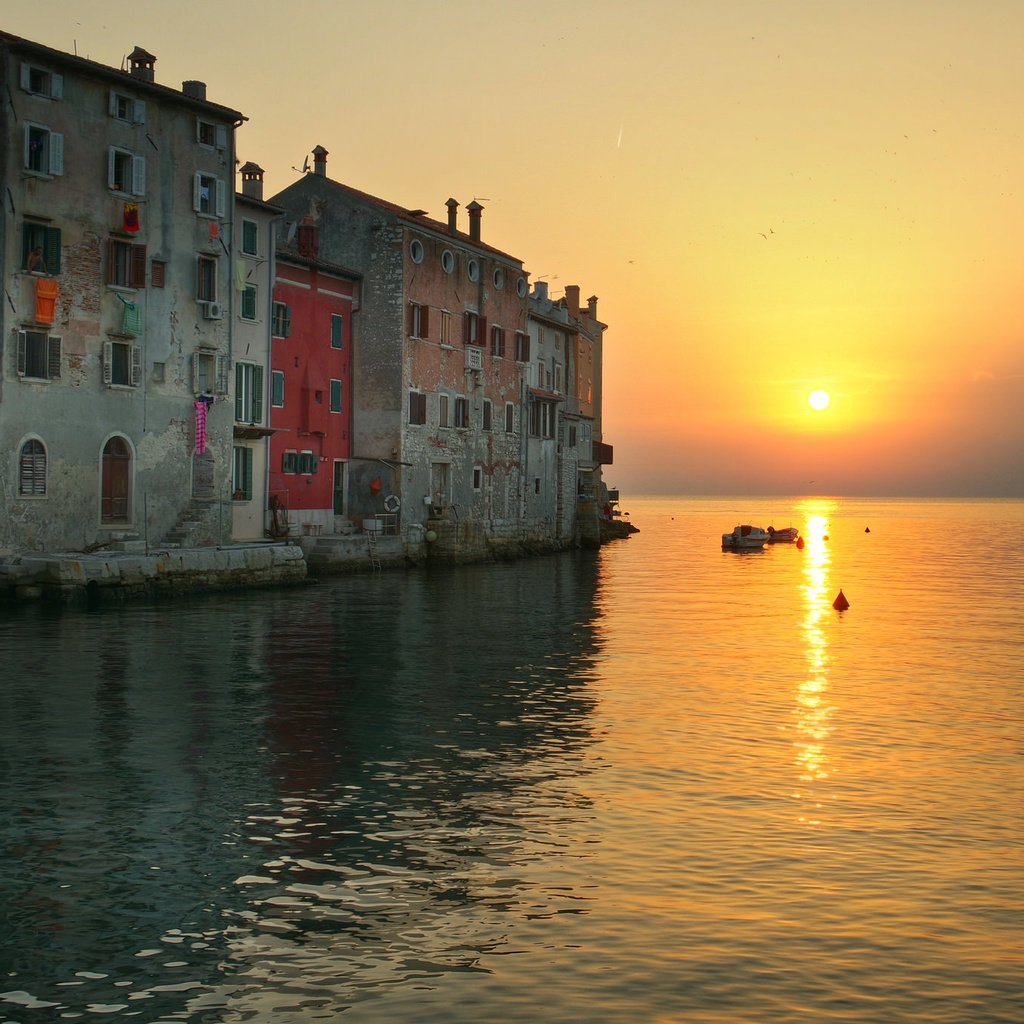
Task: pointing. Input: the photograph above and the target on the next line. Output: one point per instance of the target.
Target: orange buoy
(840, 603)
(800, 543)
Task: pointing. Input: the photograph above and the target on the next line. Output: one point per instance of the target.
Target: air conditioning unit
(474, 359)
(213, 311)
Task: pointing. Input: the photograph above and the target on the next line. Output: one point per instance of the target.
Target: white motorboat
(745, 538)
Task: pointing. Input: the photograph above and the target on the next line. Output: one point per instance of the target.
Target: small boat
(787, 536)
(745, 538)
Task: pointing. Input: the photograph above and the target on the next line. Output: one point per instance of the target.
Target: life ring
(392, 503)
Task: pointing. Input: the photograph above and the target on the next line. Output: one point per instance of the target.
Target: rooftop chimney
(252, 181)
(592, 307)
(572, 299)
(452, 215)
(194, 90)
(142, 64)
(320, 161)
(540, 290)
(474, 209)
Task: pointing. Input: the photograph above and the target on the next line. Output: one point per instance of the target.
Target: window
(417, 407)
(157, 273)
(474, 328)
(290, 461)
(126, 172)
(210, 134)
(241, 474)
(462, 412)
(416, 251)
(442, 410)
(419, 320)
(277, 388)
(38, 355)
(447, 261)
(478, 478)
(497, 341)
(558, 378)
(248, 304)
(337, 330)
(281, 326)
(41, 82)
(307, 463)
(44, 150)
(499, 278)
(32, 469)
(572, 436)
(126, 264)
(510, 418)
(40, 248)
(487, 414)
(209, 373)
(522, 347)
(122, 364)
(335, 396)
(248, 393)
(206, 279)
(250, 238)
(208, 195)
(473, 270)
(446, 327)
(542, 419)
(127, 108)
(521, 287)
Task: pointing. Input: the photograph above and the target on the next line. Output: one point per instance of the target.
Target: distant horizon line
(837, 497)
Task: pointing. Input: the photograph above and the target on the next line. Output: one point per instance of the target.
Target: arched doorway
(115, 505)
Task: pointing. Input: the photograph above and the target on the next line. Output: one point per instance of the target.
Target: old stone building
(115, 419)
(439, 369)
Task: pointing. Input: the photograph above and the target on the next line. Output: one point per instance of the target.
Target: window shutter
(111, 260)
(136, 365)
(247, 473)
(424, 321)
(257, 394)
(196, 190)
(337, 330)
(481, 331)
(467, 329)
(221, 198)
(26, 77)
(112, 104)
(108, 358)
(111, 167)
(138, 268)
(51, 250)
(138, 175)
(22, 342)
(277, 383)
(239, 391)
(412, 320)
(221, 136)
(56, 153)
(57, 86)
(222, 374)
(195, 372)
(139, 112)
(53, 357)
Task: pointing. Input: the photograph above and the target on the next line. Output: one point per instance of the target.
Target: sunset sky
(767, 198)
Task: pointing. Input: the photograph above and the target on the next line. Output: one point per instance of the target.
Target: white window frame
(133, 364)
(213, 203)
(53, 157)
(123, 107)
(134, 165)
(50, 356)
(54, 82)
(219, 133)
(211, 368)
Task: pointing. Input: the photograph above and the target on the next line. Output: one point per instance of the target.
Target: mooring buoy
(840, 603)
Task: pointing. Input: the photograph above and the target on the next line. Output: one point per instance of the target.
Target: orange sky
(766, 197)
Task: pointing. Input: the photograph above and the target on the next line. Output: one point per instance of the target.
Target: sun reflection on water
(813, 708)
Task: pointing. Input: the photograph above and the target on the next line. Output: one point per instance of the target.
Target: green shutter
(257, 394)
(337, 329)
(239, 391)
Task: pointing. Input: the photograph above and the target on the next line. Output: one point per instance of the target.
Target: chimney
(540, 290)
(474, 209)
(194, 90)
(592, 307)
(142, 65)
(320, 161)
(252, 181)
(572, 299)
(452, 215)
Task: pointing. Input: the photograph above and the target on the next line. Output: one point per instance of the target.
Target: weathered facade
(439, 361)
(117, 312)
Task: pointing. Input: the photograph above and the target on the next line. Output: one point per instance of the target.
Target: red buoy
(840, 603)
(800, 543)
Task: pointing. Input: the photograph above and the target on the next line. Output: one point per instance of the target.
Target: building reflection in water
(813, 709)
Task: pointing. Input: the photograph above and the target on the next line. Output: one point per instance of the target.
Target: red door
(117, 463)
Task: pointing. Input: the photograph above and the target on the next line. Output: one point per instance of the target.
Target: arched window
(32, 469)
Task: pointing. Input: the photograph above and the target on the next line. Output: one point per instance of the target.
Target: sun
(819, 400)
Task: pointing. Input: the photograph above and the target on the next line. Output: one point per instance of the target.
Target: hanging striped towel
(200, 427)
(131, 323)
(46, 299)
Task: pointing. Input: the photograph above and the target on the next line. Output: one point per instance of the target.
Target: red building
(310, 387)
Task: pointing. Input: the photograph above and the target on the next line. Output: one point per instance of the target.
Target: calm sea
(659, 782)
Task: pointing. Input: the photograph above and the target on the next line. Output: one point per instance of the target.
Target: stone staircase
(196, 526)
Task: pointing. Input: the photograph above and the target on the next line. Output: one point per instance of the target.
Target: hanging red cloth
(201, 408)
(46, 299)
(131, 217)
(214, 231)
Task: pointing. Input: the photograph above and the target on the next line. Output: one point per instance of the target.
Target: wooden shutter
(56, 153)
(222, 374)
(22, 344)
(138, 176)
(138, 267)
(221, 136)
(246, 468)
(56, 86)
(108, 359)
(139, 111)
(196, 357)
(136, 365)
(424, 321)
(53, 357)
(257, 394)
(51, 250)
(221, 198)
(112, 181)
(197, 180)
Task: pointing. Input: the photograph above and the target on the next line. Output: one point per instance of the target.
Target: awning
(252, 432)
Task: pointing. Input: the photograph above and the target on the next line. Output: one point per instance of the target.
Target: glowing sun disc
(818, 400)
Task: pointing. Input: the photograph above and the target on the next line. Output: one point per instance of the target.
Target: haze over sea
(658, 782)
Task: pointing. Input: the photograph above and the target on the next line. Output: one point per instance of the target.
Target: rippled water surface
(659, 782)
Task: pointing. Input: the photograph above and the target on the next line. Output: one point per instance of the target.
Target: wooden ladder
(371, 547)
